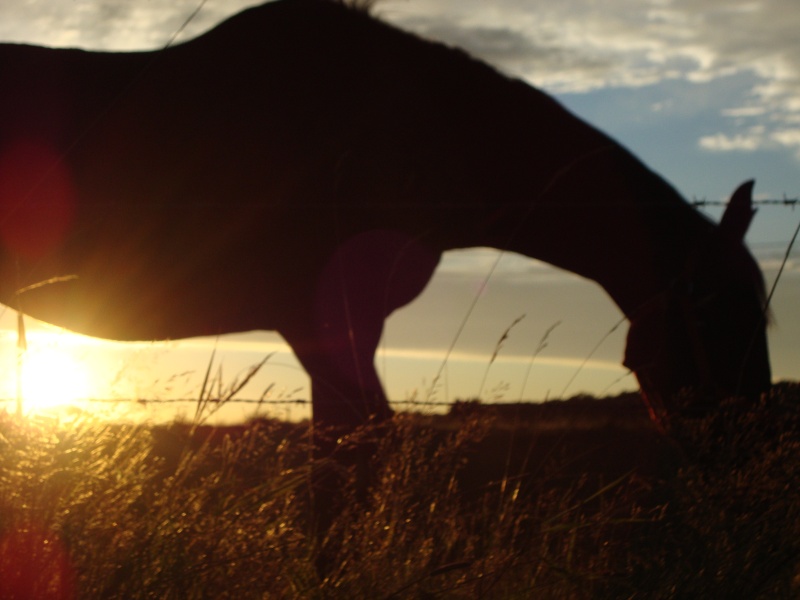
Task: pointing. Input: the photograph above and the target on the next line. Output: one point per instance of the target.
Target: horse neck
(608, 218)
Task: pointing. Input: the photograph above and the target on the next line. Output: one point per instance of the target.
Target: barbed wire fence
(299, 402)
(785, 201)
(288, 401)
(429, 403)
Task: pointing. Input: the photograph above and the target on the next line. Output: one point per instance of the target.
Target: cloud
(108, 24)
(771, 257)
(724, 143)
(575, 46)
(437, 354)
(500, 267)
(789, 138)
(755, 138)
(517, 52)
(745, 111)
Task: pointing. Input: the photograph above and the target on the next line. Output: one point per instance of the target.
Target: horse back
(259, 148)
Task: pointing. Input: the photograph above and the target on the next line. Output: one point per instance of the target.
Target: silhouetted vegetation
(576, 499)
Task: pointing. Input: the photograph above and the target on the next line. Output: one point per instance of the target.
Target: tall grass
(136, 513)
(94, 510)
(731, 523)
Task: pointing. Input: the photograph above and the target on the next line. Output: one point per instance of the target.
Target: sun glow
(52, 378)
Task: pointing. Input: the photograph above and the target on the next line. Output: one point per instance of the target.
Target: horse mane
(363, 6)
(359, 5)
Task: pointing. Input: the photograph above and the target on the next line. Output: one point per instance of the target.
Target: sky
(706, 92)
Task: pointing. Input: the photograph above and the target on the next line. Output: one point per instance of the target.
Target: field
(576, 499)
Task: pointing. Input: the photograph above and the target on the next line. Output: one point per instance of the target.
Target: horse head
(706, 333)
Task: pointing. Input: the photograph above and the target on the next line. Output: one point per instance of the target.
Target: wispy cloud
(740, 141)
(437, 354)
(497, 266)
(772, 258)
(108, 24)
(575, 46)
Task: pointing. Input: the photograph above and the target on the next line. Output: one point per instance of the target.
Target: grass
(511, 502)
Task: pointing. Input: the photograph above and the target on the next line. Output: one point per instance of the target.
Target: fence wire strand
(699, 202)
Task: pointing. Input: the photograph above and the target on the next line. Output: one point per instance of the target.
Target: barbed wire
(765, 202)
(301, 401)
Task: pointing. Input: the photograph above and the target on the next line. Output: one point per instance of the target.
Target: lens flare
(52, 378)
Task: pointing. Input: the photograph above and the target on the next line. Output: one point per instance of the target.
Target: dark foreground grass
(482, 504)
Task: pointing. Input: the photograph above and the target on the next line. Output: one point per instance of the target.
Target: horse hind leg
(336, 336)
(338, 357)
(345, 393)
(336, 330)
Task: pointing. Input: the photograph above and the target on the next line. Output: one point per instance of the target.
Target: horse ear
(739, 214)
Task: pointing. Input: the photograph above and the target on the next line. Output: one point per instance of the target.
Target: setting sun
(52, 378)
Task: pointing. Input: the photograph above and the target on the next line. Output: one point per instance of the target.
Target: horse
(303, 166)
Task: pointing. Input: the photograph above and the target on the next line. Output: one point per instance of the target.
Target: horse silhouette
(302, 167)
